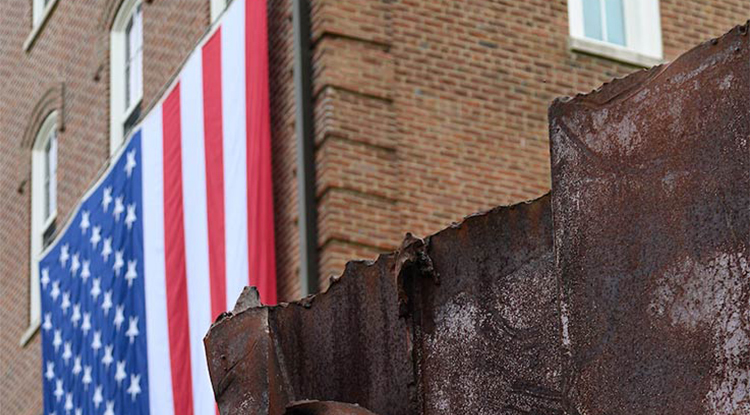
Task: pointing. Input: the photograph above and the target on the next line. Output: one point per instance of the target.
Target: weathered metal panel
(485, 320)
(325, 408)
(348, 344)
(651, 202)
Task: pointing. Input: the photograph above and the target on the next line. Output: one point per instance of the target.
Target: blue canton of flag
(94, 357)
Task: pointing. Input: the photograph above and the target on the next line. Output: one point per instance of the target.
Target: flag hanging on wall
(165, 241)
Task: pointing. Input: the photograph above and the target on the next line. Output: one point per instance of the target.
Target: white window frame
(643, 40)
(39, 224)
(39, 15)
(117, 82)
(217, 8)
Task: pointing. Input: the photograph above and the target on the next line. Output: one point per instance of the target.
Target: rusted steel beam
(484, 319)
(464, 321)
(651, 202)
(325, 408)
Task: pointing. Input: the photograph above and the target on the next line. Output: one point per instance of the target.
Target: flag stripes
(174, 256)
(201, 160)
(214, 171)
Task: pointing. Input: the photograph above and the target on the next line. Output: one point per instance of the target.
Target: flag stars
(47, 325)
(119, 316)
(86, 325)
(65, 302)
(86, 376)
(85, 271)
(68, 402)
(55, 290)
(118, 262)
(96, 288)
(45, 278)
(107, 303)
(64, 255)
(130, 216)
(130, 162)
(96, 343)
(119, 208)
(75, 264)
(135, 386)
(107, 359)
(107, 198)
(77, 365)
(110, 408)
(96, 236)
(57, 340)
(107, 249)
(85, 221)
(67, 352)
(98, 398)
(132, 332)
(50, 373)
(120, 374)
(76, 317)
(131, 274)
(59, 389)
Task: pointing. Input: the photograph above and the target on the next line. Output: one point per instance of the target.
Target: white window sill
(38, 26)
(612, 52)
(30, 332)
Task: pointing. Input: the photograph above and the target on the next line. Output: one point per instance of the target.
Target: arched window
(126, 71)
(43, 204)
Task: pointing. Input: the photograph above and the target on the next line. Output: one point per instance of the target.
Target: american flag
(165, 241)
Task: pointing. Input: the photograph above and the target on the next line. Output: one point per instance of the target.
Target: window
(43, 206)
(624, 30)
(126, 71)
(40, 11)
(217, 7)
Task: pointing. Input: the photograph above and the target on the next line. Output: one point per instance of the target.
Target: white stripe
(196, 227)
(157, 329)
(235, 154)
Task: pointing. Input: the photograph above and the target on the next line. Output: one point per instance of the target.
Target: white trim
(642, 34)
(29, 333)
(38, 20)
(612, 51)
(217, 8)
(39, 224)
(118, 114)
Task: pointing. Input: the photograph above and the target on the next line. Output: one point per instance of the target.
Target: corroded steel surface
(485, 322)
(325, 408)
(462, 322)
(651, 202)
(347, 345)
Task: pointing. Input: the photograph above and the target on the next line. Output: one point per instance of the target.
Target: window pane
(47, 176)
(615, 22)
(128, 57)
(134, 58)
(53, 171)
(592, 19)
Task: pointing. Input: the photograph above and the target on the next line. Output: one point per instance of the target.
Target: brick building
(423, 112)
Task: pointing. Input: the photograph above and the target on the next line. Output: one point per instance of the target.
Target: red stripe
(214, 172)
(174, 243)
(261, 255)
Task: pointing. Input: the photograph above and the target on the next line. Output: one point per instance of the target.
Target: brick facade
(425, 111)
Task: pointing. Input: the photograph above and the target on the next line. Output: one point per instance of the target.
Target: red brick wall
(71, 49)
(430, 110)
